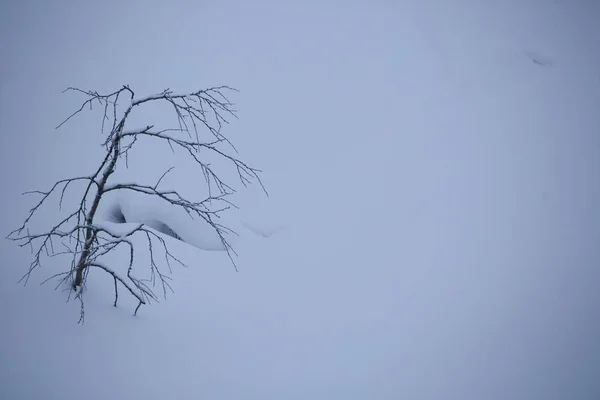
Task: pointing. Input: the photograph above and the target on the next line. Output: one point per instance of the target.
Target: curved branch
(123, 282)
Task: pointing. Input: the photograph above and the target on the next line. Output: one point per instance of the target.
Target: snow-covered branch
(139, 291)
(245, 173)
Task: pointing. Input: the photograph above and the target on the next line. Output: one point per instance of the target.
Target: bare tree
(87, 242)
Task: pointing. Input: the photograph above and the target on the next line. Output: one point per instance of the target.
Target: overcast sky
(434, 165)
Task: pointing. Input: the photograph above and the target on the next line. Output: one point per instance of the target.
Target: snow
(150, 210)
(432, 227)
(172, 220)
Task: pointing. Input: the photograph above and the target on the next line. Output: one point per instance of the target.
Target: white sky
(438, 190)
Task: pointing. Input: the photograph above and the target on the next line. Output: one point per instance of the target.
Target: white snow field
(432, 228)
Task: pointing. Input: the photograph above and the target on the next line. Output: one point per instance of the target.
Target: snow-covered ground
(432, 227)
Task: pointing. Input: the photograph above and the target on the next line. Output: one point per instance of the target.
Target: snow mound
(162, 217)
(173, 221)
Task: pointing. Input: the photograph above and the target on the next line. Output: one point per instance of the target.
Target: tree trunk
(90, 233)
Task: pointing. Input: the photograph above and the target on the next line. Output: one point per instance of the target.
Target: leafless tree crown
(86, 241)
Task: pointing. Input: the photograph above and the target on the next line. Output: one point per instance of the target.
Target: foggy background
(434, 167)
